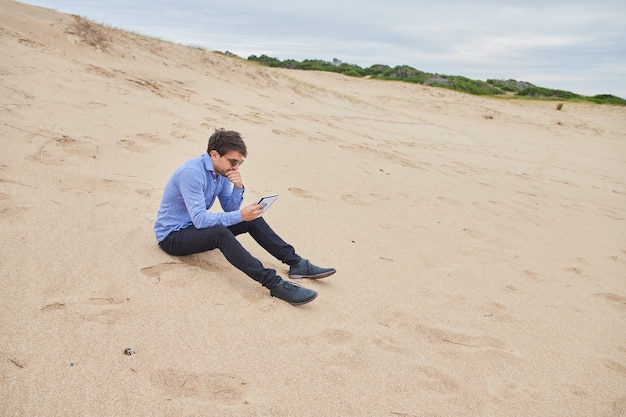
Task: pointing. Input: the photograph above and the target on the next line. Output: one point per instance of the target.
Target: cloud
(571, 43)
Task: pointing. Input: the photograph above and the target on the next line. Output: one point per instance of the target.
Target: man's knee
(220, 233)
(257, 223)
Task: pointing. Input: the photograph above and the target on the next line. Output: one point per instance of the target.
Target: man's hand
(235, 177)
(251, 212)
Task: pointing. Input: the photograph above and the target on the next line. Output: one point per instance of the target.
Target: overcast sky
(573, 45)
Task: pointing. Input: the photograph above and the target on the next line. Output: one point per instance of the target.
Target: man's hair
(224, 141)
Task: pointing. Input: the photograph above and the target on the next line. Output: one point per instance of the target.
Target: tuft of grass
(93, 34)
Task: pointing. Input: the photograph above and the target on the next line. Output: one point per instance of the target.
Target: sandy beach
(480, 243)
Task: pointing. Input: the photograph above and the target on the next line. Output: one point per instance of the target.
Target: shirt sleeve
(230, 197)
(192, 185)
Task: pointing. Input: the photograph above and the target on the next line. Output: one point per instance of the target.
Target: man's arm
(191, 185)
(230, 197)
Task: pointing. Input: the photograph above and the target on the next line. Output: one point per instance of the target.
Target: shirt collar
(208, 164)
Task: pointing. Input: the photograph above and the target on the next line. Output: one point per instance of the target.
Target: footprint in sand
(202, 263)
(131, 145)
(141, 142)
(95, 186)
(434, 380)
(151, 138)
(532, 275)
(577, 391)
(179, 274)
(352, 199)
(391, 344)
(167, 273)
(497, 312)
(618, 300)
(226, 389)
(574, 270)
(6, 212)
(611, 213)
(157, 270)
(337, 336)
(97, 309)
(145, 192)
(449, 201)
(102, 309)
(65, 150)
(614, 366)
(302, 193)
(289, 132)
(441, 336)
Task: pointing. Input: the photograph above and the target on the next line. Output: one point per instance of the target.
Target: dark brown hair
(224, 141)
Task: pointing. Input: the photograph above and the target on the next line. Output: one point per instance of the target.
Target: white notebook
(267, 201)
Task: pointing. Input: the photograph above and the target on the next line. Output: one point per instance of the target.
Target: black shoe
(292, 293)
(305, 269)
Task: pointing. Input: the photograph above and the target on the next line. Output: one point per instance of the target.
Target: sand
(480, 243)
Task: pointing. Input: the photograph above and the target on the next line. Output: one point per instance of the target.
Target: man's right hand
(251, 212)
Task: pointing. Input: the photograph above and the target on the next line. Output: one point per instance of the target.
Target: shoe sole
(318, 276)
(304, 302)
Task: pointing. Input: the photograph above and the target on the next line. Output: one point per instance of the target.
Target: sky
(574, 45)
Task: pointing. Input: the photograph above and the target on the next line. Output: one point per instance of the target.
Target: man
(184, 226)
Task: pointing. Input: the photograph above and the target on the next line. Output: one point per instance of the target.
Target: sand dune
(480, 243)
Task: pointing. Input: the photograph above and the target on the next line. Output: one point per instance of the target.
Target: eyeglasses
(235, 162)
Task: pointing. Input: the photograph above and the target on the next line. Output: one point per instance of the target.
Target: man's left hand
(235, 177)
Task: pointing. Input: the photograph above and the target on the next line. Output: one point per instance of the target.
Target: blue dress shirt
(190, 192)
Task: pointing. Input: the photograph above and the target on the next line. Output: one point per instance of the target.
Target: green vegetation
(408, 74)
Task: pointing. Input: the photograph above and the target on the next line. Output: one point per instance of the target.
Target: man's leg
(263, 234)
(191, 240)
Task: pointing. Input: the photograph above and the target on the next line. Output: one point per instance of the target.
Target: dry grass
(93, 34)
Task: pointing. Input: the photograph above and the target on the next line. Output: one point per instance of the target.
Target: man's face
(231, 161)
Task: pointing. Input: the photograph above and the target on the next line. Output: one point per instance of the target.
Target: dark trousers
(191, 240)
